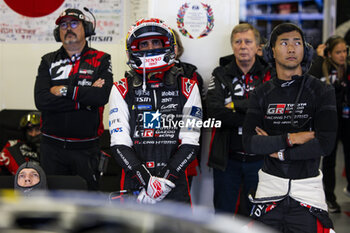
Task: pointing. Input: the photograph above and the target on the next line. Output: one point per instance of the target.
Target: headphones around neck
(308, 52)
(88, 28)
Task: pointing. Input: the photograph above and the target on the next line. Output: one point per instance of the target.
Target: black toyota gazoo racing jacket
(148, 128)
(230, 84)
(271, 107)
(73, 121)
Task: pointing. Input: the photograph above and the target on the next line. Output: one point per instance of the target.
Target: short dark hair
(243, 27)
(283, 28)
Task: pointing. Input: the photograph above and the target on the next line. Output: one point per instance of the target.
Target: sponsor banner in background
(19, 25)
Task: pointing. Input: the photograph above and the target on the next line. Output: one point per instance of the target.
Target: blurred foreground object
(92, 212)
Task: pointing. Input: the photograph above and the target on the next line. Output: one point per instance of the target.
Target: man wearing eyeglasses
(69, 36)
(71, 89)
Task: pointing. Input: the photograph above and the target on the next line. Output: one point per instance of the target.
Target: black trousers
(328, 170)
(290, 217)
(56, 160)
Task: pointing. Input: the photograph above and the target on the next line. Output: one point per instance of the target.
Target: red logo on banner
(34, 8)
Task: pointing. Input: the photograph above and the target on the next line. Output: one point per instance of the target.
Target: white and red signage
(33, 21)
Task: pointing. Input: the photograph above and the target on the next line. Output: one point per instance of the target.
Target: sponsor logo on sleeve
(113, 110)
(122, 86)
(113, 121)
(116, 130)
(187, 86)
(196, 112)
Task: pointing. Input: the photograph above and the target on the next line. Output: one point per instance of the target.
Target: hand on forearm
(229, 106)
(295, 138)
(301, 137)
(260, 131)
(55, 90)
(99, 83)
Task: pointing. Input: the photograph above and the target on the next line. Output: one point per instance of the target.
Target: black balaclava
(33, 142)
(39, 186)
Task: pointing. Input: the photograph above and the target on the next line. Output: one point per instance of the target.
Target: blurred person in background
(261, 46)
(16, 152)
(333, 68)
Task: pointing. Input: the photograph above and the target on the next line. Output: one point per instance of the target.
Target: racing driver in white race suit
(154, 116)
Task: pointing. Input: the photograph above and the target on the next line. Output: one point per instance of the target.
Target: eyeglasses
(73, 24)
